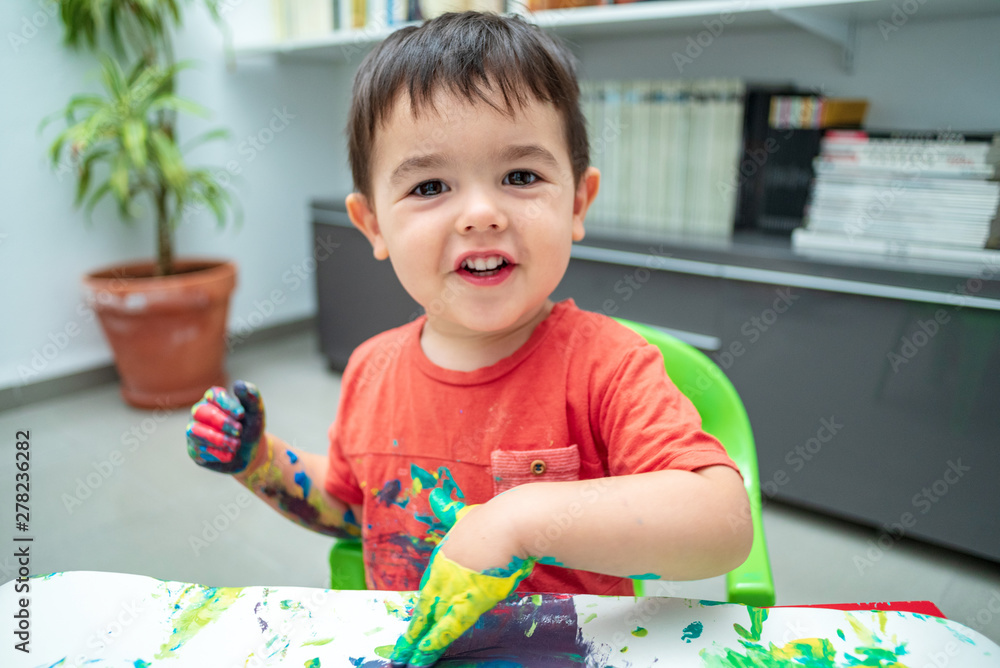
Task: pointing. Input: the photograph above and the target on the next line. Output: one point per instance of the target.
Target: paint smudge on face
(196, 608)
(640, 632)
(692, 631)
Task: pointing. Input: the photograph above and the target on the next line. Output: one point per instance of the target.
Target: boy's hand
(224, 430)
(452, 597)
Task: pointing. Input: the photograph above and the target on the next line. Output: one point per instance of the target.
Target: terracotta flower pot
(168, 333)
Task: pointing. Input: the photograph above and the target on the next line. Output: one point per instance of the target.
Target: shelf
(833, 20)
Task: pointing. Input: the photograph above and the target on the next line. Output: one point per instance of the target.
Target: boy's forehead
(424, 126)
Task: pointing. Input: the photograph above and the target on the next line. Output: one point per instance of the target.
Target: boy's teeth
(483, 264)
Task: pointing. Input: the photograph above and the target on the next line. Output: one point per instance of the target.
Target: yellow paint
(534, 623)
(881, 620)
(864, 635)
(197, 607)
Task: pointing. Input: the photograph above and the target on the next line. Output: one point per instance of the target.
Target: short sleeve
(647, 424)
(340, 479)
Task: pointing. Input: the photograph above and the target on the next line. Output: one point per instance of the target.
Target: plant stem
(164, 245)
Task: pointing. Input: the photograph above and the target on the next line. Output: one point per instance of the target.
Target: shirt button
(538, 467)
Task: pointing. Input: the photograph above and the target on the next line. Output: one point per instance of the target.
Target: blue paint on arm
(303, 481)
(292, 457)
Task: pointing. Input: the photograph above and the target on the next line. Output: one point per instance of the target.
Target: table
(112, 619)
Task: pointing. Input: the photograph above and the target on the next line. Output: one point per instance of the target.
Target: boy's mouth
(483, 266)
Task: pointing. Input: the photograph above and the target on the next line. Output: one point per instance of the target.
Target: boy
(580, 462)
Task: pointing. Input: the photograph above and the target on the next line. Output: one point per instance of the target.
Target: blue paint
(692, 631)
(389, 494)
(645, 576)
(303, 481)
(551, 561)
(706, 603)
(292, 457)
(350, 519)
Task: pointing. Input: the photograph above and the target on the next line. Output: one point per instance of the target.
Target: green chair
(723, 416)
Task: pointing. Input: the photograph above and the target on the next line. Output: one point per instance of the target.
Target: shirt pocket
(516, 467)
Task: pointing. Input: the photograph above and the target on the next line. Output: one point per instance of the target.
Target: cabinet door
(687, 304)
(882, 411)
(358, 295)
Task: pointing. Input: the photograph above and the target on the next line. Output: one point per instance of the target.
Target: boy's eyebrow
(509, 153)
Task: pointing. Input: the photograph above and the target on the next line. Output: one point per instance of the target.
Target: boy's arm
(676, 525)
(226, 434)
(293, 483)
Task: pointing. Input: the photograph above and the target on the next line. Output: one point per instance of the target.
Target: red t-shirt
(583, 398)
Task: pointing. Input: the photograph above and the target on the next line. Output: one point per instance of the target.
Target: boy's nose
(481, 214)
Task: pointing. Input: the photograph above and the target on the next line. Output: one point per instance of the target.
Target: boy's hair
(470, 54)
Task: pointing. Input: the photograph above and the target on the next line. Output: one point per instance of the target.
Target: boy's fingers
(227, 402)
(220, 445)
(213, 416)
(253, 417)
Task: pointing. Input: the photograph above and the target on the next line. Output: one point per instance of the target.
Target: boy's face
(463, 184)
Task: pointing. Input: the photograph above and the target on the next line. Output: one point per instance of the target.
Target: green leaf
(174, 103)
(119, 178)
(211, 135)
(98, 195)
(169, 160)
(134, 140)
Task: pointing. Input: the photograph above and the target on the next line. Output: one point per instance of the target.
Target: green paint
(841, 634)
(707, 603)
(312, 663)
(536, 599)
(640, 632)
(203, 605)
(290, 605)
(692, 631)
(317, 642)
(384, 651)
(624, 649)
(139, 663)
(591, 618)
(373, 631)
(645, 576)
(811, 652)
(757, 617)
(534, 624)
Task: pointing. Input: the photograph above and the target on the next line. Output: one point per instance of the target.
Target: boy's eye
(429, 188)
(520, 177)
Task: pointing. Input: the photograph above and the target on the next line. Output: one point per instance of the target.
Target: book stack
(782, 131)
(922, 195)
(668, 153)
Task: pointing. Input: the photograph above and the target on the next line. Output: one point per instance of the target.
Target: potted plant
(164, 318)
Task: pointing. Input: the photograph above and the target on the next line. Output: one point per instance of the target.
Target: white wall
(45, 245)
(927, 75)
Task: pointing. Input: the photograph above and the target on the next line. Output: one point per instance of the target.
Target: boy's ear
(363, 216)
(586, 191)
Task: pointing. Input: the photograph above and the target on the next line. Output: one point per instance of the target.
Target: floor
(113, 489)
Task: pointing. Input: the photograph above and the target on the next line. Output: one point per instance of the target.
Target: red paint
(919, 607)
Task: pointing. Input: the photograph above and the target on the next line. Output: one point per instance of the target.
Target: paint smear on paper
(196, 608)
(692, 631)
(640, 632)
(757, 617)
(312, 663)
